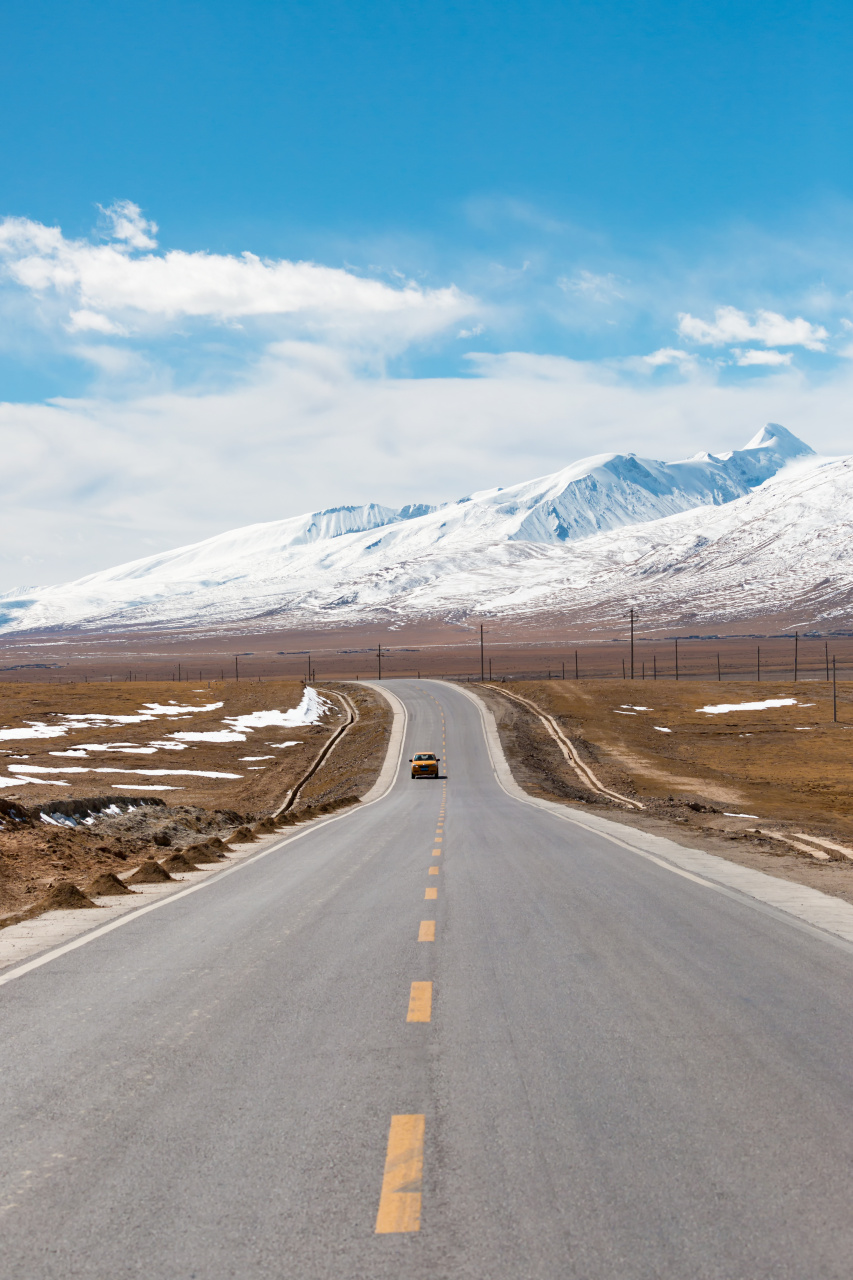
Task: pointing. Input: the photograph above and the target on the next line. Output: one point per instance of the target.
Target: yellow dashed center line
(400, 1198)
(420, 1002)
(436, 853)
(426, 933)
(430, 893)
(433, 871)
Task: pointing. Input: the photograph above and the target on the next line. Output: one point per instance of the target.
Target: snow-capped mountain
(734, 529)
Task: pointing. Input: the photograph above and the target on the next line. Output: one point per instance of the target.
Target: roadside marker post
(834, 698)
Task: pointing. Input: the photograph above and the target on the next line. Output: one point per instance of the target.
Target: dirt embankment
(714, 780)
(73, 833)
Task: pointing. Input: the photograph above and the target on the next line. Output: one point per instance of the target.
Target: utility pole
(655, 666)
(719, 673)
(379, 659)
(490, 671)
(179, 673)
(308, 681)
(577, 677)
(632, 644)
(834, 699)
(758, 665)
(482, 664)
(236, 667)
(796, 652)
(564, 670)
(676, 657)
(826, 654)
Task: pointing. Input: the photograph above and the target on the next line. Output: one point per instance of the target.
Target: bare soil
(36, 855)
(787, 769)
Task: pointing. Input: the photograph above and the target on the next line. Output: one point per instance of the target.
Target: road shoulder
(818, 911)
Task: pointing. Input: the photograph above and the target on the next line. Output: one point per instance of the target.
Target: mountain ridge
(583, 530)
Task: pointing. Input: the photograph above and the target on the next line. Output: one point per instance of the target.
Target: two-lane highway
(448, 1035)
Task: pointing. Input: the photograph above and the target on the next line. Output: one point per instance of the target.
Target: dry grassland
(788, 770)
(34, 854)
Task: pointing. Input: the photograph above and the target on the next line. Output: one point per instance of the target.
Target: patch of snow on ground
(631, 707)
(311, 709)
(661, 729)
(617, 712)
(91, 719)
(143, 786)
(279, 746)
(215, 735)
(126, 748)
(36, 729)
(719, 708)
(741, 815)
(142, 773)
(22, 782)
(257, 758)
(172, 708)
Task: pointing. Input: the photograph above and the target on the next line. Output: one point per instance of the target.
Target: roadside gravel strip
(808, 908)
(54, 933)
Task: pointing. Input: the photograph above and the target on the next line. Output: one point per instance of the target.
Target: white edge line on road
(397, 738)
(508, 784)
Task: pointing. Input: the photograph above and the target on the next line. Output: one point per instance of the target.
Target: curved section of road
(450, 1034)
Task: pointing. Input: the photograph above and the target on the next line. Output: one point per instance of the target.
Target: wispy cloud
(768, 327)
(589, 285)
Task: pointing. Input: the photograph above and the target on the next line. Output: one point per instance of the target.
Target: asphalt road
(624, 1074)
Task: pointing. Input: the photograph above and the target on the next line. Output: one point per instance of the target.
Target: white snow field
(713, 537)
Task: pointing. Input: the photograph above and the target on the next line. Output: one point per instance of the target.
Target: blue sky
(534, 230)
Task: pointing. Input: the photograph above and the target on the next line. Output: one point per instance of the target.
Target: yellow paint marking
(436, 853)
(400, 1198)
(430, 893)
(438, 839)
(426, 933)
(433, 871)
(420, 1002)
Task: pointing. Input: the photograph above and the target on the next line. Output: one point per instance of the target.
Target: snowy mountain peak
(773, 441)
(348, 561)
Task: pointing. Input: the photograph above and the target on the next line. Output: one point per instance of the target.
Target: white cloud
(80, 321)
(730, 325)
(761, 357)
(111, 287)
(589, 285)
(669, 355)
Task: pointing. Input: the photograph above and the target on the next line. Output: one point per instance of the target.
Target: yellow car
(424, 765)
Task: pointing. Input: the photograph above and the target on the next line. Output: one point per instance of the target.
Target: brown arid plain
(771, 788)
(443, 648)
(156, 814)
(790, 766)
